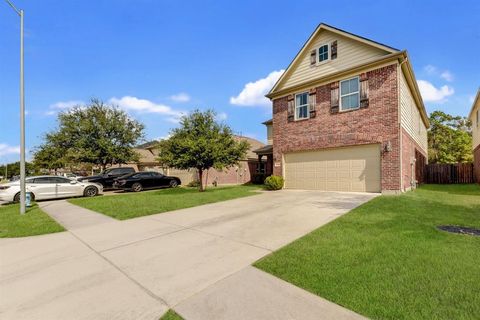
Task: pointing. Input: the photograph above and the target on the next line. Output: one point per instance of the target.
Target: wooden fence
(443, 173)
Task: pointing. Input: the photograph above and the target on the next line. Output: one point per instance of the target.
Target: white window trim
(308, 106)
(349, 94)
(318, 53)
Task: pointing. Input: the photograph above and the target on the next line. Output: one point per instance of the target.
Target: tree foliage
(48, 156)
(449, 138)
(201, 143)
(13, 169)
(97, 133)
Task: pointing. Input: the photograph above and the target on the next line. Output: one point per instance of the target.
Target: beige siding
(269, 134)
(475, 118)
(410, 115)
(343, 169)
(186, 176)
(351, 53)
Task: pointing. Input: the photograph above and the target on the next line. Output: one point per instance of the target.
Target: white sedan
(49, 187)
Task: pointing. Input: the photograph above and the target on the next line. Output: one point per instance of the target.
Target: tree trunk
(200, 177)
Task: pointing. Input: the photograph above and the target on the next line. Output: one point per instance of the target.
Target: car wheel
(173, 183)
(137, 187)
(90, 191)
(16, 198)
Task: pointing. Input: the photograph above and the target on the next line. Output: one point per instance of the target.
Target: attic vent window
(323, 53)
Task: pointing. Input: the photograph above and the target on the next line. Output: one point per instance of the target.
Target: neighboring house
(265, 166)
(474, 117)
(348, 116)
(238, 174)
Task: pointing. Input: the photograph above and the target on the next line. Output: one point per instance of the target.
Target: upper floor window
(349, 94)
(323, 53)
(301, 106)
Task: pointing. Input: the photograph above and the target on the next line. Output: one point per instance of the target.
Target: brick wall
(476, 163)
(408, 153)
(376, 124)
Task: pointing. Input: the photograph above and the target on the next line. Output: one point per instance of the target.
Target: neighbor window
(349, 94)
(301, 106)
(323, 53)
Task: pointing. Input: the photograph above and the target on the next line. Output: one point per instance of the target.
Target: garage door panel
(344, 169)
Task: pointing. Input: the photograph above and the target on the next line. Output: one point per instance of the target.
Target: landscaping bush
(194, 184)
(274, 183)
(258, 178)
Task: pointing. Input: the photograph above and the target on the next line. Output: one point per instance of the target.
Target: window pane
(345, 88)
(353, 85)
(323, 53)
(350, 102)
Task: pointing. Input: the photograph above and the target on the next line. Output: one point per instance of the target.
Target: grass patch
(386, 259)
(131, 205)
(34, 222)
(171, 315)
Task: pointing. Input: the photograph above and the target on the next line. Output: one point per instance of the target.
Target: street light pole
(22, 113)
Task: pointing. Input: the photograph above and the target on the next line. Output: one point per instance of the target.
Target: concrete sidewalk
(71, 216)
(135, 269)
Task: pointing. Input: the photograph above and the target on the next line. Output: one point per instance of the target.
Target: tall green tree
(96, 133)
(449, 138)
(201, 143)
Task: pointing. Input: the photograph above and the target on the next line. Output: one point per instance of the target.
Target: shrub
(258, 178)
(194, 184)
(274, 183)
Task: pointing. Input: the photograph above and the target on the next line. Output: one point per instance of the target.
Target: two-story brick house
(348, 116)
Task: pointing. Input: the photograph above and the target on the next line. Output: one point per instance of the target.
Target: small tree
(201, 143)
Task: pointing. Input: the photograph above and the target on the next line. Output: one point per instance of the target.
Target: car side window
(42, 180)
(60, 180)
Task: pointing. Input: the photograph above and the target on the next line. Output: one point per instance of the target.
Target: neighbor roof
(254, 144)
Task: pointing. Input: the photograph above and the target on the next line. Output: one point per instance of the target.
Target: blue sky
(157, 59)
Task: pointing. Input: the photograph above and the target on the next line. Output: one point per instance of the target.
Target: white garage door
(343, 169)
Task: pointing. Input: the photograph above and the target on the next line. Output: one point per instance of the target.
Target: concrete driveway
(137, 269)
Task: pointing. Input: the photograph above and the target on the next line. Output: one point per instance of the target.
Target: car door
(42, 188)
(160, 180)
(65, 187)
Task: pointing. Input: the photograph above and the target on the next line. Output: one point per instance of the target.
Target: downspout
(400, 132)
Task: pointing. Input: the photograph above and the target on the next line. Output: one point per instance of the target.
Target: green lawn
(34, 222)
(386, 259)
(131, 205)
(171, 315)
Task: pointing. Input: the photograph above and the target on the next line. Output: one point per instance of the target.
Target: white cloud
(432, 94)
(63, 106)
(434, 71)
(471, 98)
(447, 75)
(130, 103)
(253, 94)
(181, 97)
(430, 69)
(222, 116)
(6, 149)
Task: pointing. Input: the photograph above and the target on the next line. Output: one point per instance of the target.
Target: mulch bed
(461, 230)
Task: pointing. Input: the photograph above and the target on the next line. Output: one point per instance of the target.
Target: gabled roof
(324, 26)
(475, 101)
